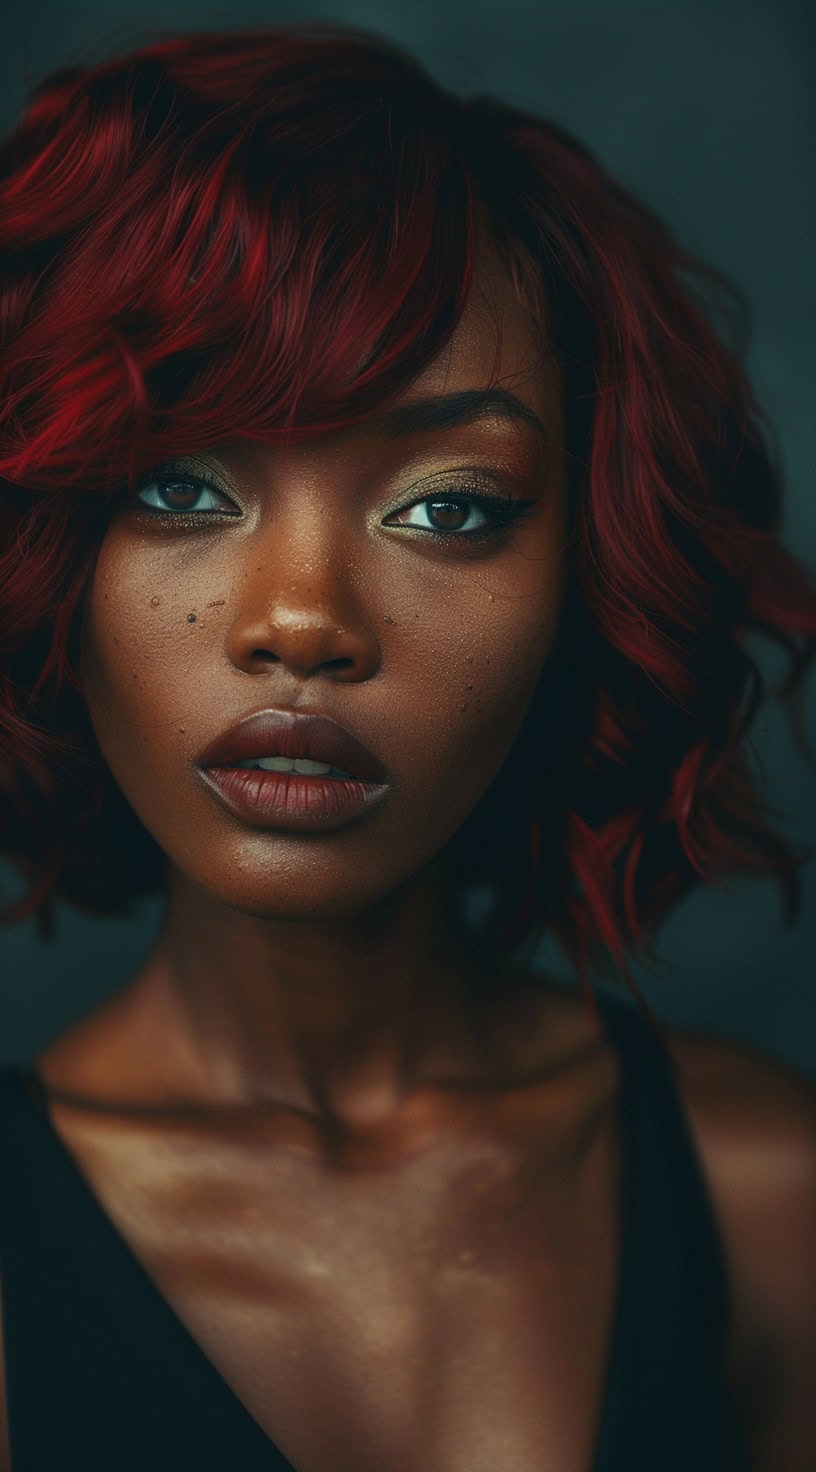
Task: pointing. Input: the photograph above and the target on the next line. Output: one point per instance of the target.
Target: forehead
(496, 343)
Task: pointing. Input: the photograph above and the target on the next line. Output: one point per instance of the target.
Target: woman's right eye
(182, 494)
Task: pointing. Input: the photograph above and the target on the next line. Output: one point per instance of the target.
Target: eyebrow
(446, 411)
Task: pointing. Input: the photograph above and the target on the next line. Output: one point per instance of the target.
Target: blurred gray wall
(707, 111)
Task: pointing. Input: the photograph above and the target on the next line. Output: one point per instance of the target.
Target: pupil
(449, 509)
(181, 496)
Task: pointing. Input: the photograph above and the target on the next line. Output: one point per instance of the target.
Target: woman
(382, 521)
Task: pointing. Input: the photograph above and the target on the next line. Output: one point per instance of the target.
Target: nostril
(303, 645)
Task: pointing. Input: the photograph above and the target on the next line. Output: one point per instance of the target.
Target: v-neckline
(36, 1099)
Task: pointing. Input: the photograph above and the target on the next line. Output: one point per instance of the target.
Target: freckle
(490, 598)
(155, 601)
(133, 673)
(182, 729)
(191, 618)
(463, 707)
(469, 687)
(470, 659)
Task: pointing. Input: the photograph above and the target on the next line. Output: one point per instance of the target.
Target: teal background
(707, 111)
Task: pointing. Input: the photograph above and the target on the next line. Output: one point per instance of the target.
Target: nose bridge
(305, 563)
(301, 599)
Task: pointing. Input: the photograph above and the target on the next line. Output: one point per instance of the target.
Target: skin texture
(325, 1157)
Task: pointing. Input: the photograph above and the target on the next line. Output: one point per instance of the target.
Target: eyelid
(499, 505)
(470, 482)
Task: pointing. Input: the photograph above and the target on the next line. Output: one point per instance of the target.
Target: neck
(342, 1018)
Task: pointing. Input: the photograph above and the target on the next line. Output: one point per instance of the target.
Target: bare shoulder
(753, 1118)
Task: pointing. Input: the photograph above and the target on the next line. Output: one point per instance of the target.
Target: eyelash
(503, 511)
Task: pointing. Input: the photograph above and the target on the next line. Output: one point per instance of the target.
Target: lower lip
(293, 802)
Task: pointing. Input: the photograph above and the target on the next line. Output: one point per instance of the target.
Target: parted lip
(289, 733)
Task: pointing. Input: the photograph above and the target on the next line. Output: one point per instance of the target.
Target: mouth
(287, 770)
(286, 741)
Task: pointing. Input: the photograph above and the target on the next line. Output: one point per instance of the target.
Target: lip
(293, 801)
(290, 802)
(293, 734)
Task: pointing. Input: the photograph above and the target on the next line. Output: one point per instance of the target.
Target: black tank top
(102, 1376)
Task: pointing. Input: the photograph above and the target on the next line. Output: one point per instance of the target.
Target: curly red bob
(266, 234)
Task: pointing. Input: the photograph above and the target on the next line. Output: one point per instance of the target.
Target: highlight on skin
(181, 269)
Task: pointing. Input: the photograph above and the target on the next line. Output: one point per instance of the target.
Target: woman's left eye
(453, 515)
(181, 494)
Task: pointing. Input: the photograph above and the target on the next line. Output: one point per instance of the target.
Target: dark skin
(400, 1212)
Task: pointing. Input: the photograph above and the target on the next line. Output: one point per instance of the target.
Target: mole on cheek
(191, 618)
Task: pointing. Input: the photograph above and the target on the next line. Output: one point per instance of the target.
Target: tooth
(288, 764)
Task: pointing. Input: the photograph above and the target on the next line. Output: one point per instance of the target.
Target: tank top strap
(667, 1403)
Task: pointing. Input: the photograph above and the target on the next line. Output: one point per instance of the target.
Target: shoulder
(753, 1119)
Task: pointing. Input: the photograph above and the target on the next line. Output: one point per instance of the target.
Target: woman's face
(319, 587)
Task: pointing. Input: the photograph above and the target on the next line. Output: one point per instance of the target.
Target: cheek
(139, 653)
(466, 686)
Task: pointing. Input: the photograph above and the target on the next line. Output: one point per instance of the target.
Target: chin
(260, 896)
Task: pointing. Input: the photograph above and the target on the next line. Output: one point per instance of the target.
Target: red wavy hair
(266, 233)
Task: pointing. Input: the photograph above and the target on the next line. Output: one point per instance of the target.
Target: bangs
(271, 270)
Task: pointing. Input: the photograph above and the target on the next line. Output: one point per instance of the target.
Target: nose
(309, 620)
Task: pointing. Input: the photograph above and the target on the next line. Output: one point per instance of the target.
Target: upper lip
(288, 733)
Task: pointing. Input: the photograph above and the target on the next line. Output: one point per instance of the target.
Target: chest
(455, 1315)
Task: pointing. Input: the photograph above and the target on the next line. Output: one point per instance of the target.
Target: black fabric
(102, 1376)
(667, 1404)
